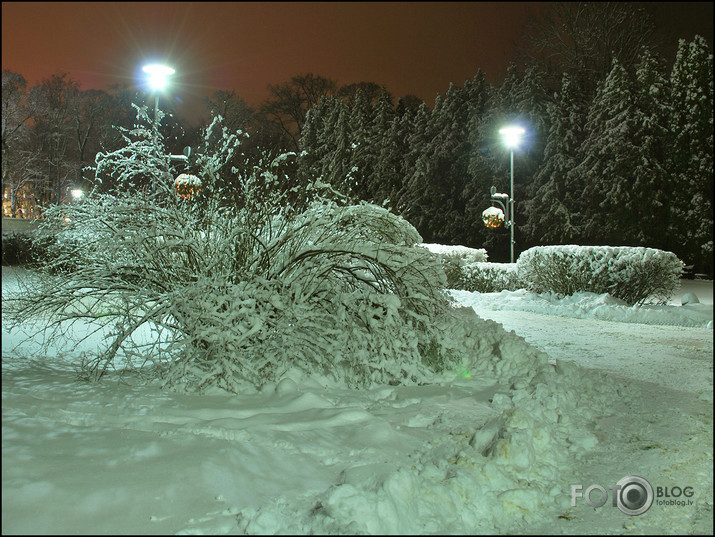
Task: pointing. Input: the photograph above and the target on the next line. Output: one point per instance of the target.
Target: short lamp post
(157, 80)
(512, 137)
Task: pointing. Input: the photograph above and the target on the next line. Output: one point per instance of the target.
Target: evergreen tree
(610, 158)
(326, 139)
(383, 147)
(521, 100)
(363, 154)
(691, 154)
(626, 184)
(337, 168)
(554, 208)
(436, 188)
(312, 142)
(652, 183)
(476, 186)
(390, 166)
(414, 127)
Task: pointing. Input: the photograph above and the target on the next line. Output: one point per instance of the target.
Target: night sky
(416, 48)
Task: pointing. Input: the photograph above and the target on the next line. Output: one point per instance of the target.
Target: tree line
(52, 132)
(618, 150)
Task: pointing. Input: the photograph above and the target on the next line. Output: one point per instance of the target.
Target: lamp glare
(157, 74)
(512, 135)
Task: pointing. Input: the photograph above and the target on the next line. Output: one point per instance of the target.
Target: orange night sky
(410, 47)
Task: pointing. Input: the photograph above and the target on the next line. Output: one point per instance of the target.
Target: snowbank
(490, 448)
(590, 305)
(485, 448)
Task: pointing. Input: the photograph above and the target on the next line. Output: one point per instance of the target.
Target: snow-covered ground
(584, 391)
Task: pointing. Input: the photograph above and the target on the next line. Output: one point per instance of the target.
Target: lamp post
(512, 137)
(157, 80)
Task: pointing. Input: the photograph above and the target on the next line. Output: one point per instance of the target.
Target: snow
(470, 255)
(584, 305)
(575, 390)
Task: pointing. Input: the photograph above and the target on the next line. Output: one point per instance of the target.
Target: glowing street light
(512, 137)
(157, 80)
(157, 75)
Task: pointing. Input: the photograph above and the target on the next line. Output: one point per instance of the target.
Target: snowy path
(661, 427)
(676, 357)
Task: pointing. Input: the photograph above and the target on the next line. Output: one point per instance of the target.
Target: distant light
(157, 74)
(77, 193)
(512, 135)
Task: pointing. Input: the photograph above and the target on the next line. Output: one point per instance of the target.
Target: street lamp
(157, 80)
(512, 137)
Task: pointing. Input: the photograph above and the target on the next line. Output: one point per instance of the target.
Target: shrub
(633, 274)
(468, 255)
(339, 291)
(16, 249)
(490, 277)
(454, 259)
(24, 249)
(238, 294)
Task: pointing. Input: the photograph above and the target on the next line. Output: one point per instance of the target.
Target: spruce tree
(652, 183)
(606, 170)
(388, 153)
(691, 153)
(436, 187)
(363, 154)
(554, 209)
(390, 166)
(337, 169)
(414, 127)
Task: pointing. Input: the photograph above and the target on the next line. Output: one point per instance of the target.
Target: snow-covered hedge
(468, 255)
(634, 274)
(454, 259)
(489, 278)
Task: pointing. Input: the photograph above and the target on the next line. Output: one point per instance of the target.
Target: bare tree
(371, 90)
(291, 101)
(16, 160)
(236, 113)
(55, 103)
(583, 38)
(89, 115)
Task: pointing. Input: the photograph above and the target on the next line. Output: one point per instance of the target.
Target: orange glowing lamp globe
(187, 186)
(493, 217)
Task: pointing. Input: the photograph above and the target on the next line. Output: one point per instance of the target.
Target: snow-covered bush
(468, 255)
(341, 291)
(633, 274)
(454, 259)
(238, 294)
(490, 277)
